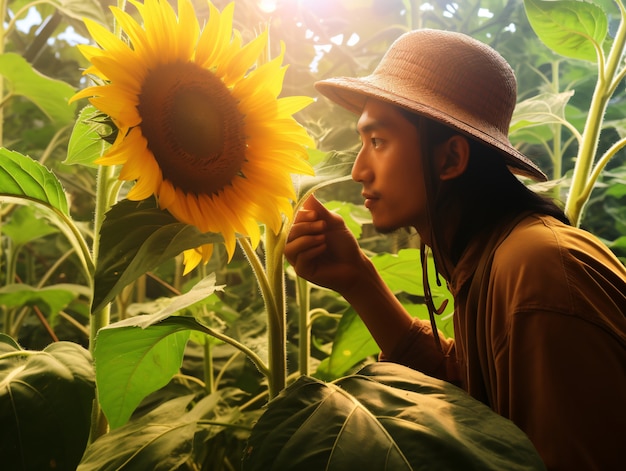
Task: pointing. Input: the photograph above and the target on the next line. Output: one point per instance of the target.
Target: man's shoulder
(544, 239)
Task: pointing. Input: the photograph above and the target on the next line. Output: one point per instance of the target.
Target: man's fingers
(314, 209)
(304, 248)
(301, 229)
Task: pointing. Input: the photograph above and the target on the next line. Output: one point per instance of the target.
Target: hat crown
(462, 75)
(448, 77)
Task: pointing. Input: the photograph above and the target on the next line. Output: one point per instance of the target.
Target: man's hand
(322, 249)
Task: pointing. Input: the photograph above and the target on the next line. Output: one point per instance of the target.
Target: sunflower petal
(193, 257)
(216, 35)
(142, 80)
(245, 58)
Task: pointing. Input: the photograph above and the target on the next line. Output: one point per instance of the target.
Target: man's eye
(376, 142)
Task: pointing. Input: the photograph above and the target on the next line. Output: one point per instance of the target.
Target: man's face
(389, 166)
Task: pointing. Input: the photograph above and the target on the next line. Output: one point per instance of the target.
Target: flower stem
(304, 327)
(270, 279)
(209, 384)
(277, 337)
(103, 203)
(100, 319)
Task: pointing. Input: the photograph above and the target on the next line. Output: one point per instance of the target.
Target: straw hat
(448, 77)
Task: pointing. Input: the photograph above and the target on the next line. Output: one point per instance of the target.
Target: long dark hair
(484, 196)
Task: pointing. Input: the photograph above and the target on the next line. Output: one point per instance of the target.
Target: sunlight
(268, 6)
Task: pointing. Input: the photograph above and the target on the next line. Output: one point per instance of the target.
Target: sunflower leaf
(545, 108)
(136, 237)
(329, 167)
(26, 225)
(202, 290)
(86, 142)
(24, 178)
(50, 299)
(164, 437)
(45, 405)
(132, 362)
(50, 95)
(405, 419)
(81, 9)
(571, 28)
(352, 343)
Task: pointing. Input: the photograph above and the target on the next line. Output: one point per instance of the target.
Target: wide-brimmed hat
(448, 77)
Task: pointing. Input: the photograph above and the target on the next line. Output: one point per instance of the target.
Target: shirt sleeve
(418, 351)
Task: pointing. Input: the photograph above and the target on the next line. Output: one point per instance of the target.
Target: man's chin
(384, 229)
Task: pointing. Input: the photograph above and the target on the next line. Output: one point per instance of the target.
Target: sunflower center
(193, 127)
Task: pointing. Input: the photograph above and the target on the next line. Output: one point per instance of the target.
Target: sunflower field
(152, 156)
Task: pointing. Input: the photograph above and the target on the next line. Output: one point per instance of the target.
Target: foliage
(385, 417)
(183, 363)
(45, 405)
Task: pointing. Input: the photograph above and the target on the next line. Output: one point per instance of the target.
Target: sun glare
(268, 6)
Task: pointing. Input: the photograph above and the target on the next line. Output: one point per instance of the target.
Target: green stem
(271, 284)
(224, 369)
(274, 263)
(3, 36)
(304, 324)
(209, 384)
(595, 174)
(591, 133)
(103, 201)
(253, 357)
(100, 319)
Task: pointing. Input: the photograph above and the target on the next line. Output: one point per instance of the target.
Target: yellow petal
(261, 190)
(216, 36)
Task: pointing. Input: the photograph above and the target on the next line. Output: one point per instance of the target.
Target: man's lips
(369, 200)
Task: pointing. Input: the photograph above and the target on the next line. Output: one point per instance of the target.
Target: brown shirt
(542, 340)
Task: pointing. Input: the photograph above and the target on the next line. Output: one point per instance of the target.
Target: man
(540, 323)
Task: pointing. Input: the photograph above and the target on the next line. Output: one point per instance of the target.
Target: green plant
(579, 30)
(183, 360)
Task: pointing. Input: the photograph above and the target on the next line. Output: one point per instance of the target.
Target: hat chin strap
(429, 176)
(432, 310)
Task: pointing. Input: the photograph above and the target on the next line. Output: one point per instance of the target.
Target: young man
(540, 306)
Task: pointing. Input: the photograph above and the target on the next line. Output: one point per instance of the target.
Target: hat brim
(352, 93)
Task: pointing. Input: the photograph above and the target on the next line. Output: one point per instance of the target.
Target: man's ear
(453, 157)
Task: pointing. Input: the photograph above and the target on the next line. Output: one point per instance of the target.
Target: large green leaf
(45, 406)
(86, 142)
(138, 356)
(571, 28)
(26, 224)
(352, 344)
(8, 344)
(330, 167)
(545, 108)
(132, 362)
(137, 237)
(386, 417)
(200, 292)
(353, 215)
(81, 9)
(162, 439)
(50, 95)
(402, 273)
(50, 299)
(24, 178)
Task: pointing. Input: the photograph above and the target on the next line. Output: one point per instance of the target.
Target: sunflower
(200, 124)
